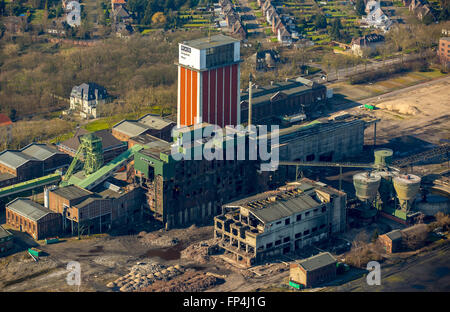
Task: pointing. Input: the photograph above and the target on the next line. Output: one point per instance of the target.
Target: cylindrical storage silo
(383, 157)
(407, 187)
(366, 185)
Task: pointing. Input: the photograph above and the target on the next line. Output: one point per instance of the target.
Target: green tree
(336, 27)
(2, 7)
(444, 15)
(428, 19)
(320, 21)
(360, 7)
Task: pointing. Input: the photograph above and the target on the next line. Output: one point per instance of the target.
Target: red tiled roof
(4, 120)
(119, 1)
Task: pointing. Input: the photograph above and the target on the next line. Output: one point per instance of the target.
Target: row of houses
(282, 26)
(420, 8)
(232, 19)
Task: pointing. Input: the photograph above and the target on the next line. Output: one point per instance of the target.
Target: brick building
(16, 167)
(32, 218)
(32, 161)
(149, 124)
(444, 51)
(314, 271)
(98, 211)
(111, 146)
(392, 241)
(272, 102)
(51, 158)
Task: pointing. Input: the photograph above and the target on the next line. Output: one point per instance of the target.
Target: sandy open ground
(421, 111)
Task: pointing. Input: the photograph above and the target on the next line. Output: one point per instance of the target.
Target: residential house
(284, 36)
(376, 17)
(117, 4)
(421, 9)
(367, 43)
(265, 60)
(88, 98)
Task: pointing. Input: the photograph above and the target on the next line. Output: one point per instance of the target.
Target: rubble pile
(143, 275)
(191, 281)
(201, 251)
(156, 240)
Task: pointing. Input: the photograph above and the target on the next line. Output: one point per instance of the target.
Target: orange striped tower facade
(208, 82)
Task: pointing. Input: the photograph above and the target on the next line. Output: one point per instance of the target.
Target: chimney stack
(250, 79)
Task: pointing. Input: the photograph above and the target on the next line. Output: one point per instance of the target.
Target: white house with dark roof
(376, 17)
(88, 98)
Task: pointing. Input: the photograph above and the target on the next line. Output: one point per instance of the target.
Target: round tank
(383, 157)
(407, 187)
(366, 185)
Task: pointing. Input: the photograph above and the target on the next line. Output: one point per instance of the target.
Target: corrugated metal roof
(317, 261)
(394, 235)
(108, 140)
(131, 128)
(28, 209)
(39, 151)
(283, 208)
(155, 122)
(71, 192)
(14, 159)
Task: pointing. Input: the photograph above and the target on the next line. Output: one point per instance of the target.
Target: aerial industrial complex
(181, 173)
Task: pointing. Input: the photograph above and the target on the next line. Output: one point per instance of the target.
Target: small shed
(391, 241)
(313, 271)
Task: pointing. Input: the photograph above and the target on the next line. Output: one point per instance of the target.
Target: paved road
(428, 271)
(248, 17)
(343, 73)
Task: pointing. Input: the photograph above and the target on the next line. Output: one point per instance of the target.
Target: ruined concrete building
(279, 222)
(187, 191)
(325, 139)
